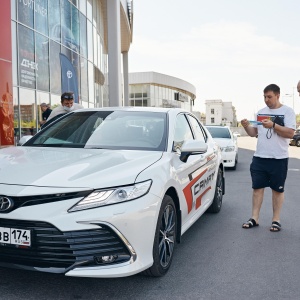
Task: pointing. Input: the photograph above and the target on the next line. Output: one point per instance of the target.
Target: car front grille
(43, 199)
(55, 251)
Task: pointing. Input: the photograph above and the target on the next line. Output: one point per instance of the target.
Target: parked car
(228, 143)
(236, 133)
(295, 141)
(107, 192)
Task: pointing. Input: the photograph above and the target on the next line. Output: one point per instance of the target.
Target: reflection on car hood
(72, 168)
(224, 142)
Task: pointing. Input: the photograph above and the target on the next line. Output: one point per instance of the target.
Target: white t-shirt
(273, 145)
(60, 110)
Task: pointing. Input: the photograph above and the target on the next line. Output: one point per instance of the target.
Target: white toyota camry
(107, 192)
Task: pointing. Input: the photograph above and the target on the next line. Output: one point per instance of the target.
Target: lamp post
(292, 95)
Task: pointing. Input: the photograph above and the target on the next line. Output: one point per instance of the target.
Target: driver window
(182, 132)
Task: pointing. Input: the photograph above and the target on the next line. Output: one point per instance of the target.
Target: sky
(228, 49)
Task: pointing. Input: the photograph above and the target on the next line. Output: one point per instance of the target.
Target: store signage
(36, 6)
(183, 97)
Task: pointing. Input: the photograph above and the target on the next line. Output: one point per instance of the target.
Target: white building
(160, 90)
(220, 113)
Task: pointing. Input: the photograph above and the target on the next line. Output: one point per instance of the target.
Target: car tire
(218, 197)
(164, 240)
(298, 143)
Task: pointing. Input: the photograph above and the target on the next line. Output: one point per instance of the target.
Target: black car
(295, 141)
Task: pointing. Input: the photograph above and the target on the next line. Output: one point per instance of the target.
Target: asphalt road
(217, 258)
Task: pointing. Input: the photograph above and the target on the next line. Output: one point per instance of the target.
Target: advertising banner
(69, 81)
(6, 99)
(27, 65)
(6, 106)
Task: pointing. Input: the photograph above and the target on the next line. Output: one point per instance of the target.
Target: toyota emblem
(5, 204)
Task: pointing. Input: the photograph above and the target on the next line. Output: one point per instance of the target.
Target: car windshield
(217, 132)
(126, 130)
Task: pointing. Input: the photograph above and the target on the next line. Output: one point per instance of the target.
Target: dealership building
(94, 36)
(160, 90)
(53, 46)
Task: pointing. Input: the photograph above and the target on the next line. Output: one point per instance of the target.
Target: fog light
(105, 259)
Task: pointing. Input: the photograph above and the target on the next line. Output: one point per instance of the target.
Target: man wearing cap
(67, 105)
(46, 111)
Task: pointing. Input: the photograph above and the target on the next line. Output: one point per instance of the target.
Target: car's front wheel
(165, 238)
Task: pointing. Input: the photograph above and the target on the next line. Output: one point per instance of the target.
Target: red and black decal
(197, 188)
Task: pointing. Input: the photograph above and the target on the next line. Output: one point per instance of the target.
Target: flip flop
(250, 223)
(275, 227)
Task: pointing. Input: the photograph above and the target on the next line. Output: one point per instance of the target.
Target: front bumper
(229, 159)
(76, 243)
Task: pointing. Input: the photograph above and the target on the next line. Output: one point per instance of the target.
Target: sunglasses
(68, 97)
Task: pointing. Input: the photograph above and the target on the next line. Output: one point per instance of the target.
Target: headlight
(112, 196)
(228, 149)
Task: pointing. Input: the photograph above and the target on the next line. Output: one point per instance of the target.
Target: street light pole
(293, 100)
(292, 95)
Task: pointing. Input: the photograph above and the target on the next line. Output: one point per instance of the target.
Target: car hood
(72, 168)
(224, 142)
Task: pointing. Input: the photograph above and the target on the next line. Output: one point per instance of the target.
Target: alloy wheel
(167, 236)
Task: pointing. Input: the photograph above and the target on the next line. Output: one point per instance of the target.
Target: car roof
(134, 108)
(217, 126)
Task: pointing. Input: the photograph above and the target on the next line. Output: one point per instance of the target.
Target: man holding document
(274, 127)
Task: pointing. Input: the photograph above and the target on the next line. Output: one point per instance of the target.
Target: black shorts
(269, 172)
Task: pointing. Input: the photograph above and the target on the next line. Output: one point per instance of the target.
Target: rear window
(217, 132)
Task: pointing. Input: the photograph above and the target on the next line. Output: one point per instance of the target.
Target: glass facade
(41, 30)
(158, 96)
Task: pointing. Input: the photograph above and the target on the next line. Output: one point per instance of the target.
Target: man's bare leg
(277, 200)
(257, 199)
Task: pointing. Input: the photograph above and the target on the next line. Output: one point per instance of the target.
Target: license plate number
(15, 236)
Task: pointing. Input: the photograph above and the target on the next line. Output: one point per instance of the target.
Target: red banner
(6, 99)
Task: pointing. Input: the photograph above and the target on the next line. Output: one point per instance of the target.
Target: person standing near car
(67, 105)
(46, 111)
(274, 127)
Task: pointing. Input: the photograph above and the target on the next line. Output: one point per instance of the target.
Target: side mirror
(192, 147)
(24, 139)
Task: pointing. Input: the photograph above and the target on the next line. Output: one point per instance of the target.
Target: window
(221, 133)
(42, 62)
(197, 129)
(27, 64)
(182, 132)
(55, 74)
(212, 120)
(41, 16)
(212, 111)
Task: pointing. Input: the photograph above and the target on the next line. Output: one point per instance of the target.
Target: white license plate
(15, 236)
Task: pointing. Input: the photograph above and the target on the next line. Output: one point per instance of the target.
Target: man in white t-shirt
(274, 127)
(67, 105)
